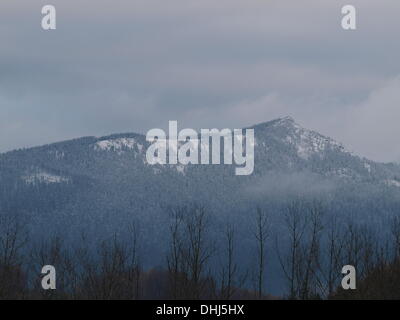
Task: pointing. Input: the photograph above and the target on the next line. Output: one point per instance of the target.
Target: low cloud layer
(136, 64)
(291, 185)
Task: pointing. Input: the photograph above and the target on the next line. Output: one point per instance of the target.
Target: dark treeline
(311, 248)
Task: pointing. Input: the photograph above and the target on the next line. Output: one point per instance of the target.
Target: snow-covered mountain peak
(288, 120)
(306, 142)
(309, 142)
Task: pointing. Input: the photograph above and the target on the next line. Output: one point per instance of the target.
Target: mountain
(90, 177)
(101, 185)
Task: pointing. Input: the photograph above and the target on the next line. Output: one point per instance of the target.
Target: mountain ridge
(280, 136)
(283, 121)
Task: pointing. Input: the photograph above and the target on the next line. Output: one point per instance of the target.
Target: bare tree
(261, 235)
(230, 270)
(13, 238)
(311, 283)
(395, 231)
(198, 249)
(47, 253)
(104, 281)
(295, 222)
(113, 272)
(134, 270)
(334, 256)
(176, 265)
(190, 251)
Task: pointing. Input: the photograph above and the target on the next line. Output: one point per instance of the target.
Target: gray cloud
(134, 65)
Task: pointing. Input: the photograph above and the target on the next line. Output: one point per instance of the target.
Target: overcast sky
(129, 66)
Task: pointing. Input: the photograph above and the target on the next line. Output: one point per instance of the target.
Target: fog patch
(281, 186)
